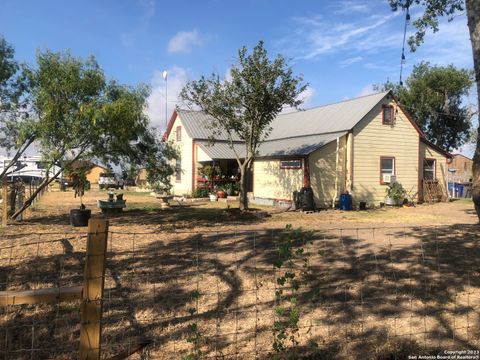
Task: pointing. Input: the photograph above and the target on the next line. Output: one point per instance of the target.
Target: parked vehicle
(110, 180)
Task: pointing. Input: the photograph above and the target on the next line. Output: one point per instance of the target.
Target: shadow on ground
(367, 293)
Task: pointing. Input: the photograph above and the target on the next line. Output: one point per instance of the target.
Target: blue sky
(341, 47)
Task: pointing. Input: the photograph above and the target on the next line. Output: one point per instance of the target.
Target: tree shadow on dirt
(368, 293)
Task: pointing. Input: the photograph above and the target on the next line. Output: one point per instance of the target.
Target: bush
(200, 193)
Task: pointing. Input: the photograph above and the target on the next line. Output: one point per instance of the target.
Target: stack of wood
(433, 191)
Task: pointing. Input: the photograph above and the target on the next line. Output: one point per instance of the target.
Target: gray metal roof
(221, 149)
(341, 116)
(197, 125)
(296, 146)
(293, 134)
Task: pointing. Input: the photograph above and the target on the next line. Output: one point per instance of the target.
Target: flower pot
(213, 197)
(229, 192)
(393, 202)
(80, 217)
(221, 194)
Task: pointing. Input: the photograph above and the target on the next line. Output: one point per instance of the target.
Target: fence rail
(358, 292)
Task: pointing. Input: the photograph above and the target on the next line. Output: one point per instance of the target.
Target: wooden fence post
(4, 201)
(91, 308)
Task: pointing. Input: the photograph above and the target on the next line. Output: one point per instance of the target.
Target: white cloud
(366, 90)
(184, 42)
(317, 36)
(350, 61)
(349, 7)
(177, 78)
(306, 96)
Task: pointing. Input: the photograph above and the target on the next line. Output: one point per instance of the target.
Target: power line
(402, 59)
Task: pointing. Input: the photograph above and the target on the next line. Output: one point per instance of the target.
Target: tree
(433, 10)
(244, 106)
(433, 94)
(82, 116)
(16, 128)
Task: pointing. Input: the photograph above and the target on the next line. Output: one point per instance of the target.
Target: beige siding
(427, 152)
(324, 172)
(372, 140)
(271, 182)
(185, 148)
(94, 175)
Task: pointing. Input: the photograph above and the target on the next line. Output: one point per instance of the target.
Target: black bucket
(80, 217)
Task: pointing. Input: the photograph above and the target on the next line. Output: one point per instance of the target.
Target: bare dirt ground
(143, 213)
(380, 284)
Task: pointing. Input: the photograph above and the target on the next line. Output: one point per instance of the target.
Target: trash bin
(346, 201)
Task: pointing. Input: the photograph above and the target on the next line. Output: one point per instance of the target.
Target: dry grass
(380, 293)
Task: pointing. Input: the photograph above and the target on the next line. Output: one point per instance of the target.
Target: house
(357, 145)
(93, 175)
(463, 168)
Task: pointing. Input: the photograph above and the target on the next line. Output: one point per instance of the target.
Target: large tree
(244, 106)
(82, 116)
(434, 95)
(433, 10)
(16, 128)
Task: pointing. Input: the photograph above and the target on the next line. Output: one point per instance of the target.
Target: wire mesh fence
(360, 293)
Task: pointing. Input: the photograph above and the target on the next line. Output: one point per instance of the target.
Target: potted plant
(229, 189)
(213, 196)
(80, 217)
(395, 194)
(221, 193)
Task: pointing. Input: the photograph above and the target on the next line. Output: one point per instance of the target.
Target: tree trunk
(29, 201)
(17, 156)
(473, 15)
(243, 187)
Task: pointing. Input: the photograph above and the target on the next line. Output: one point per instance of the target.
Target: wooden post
(91, 308)
(4, 202)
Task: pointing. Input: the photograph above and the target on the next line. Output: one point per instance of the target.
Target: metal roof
(197, 125)
(293, 134)
(221, 149)
(296, 146)
(341, 116)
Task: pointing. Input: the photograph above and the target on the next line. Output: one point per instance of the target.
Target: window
(387, 167)
(387, 115)
(178, 170)
(429, 169)
(291, 164)
(178, 133)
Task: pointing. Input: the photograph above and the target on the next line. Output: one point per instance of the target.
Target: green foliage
(395, 191)
(15, 124)
(289, 281)
(434, 9)
(194, 335)
(82, 114)
(200, 193)
(244, 106)
(433, 95)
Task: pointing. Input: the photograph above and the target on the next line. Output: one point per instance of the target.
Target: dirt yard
(143, 213)
(198, 280)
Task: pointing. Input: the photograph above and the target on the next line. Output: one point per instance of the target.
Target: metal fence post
(91, 308)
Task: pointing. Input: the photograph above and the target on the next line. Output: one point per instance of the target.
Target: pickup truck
(110, 180)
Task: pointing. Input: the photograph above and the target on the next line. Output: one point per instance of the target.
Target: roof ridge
(308, 135)
(336, 102)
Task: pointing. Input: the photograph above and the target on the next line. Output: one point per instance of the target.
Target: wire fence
(361, 293)
(13, 195)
